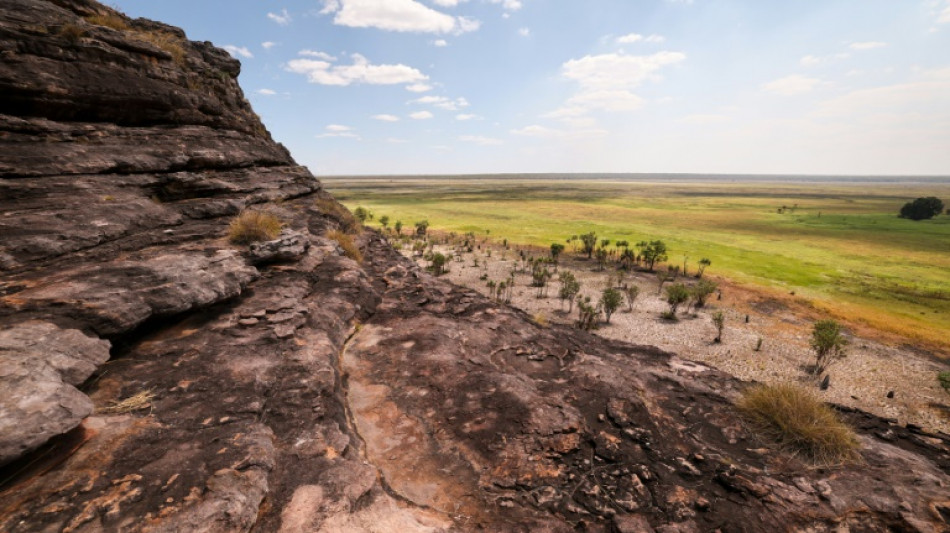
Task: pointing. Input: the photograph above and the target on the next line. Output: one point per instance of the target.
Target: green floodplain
(835, 242)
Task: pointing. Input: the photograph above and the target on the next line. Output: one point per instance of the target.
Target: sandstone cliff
(155, 377)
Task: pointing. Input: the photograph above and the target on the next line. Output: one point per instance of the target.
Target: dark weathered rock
(289, 388)
(40, 367)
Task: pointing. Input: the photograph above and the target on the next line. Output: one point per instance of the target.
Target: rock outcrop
(155, 377)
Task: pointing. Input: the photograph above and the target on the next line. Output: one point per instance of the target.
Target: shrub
(922, 208)
(944, 379)
(630, 293)
(569, 289)
(610, 301)
(253, 226)
(702, 290)
(798, 422)
(346, 243)
(828, 343)
(676, 295)
(719, 320)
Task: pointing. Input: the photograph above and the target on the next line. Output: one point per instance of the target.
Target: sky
(858, 87)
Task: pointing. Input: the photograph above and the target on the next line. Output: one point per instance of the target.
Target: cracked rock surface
(155, 377)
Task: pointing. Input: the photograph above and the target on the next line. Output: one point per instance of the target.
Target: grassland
(842, 249)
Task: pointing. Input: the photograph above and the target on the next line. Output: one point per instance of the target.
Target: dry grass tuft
(109, 20)
(253, 226)
(540, 319)
(136, 402)
(334, 209)
(346, 243)
(71, 32)
(799, 422)
(167, 42)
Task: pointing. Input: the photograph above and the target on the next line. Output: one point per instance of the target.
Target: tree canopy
(922, 208)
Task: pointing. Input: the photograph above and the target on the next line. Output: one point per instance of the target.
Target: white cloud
(629, 38)
(421, 115)
(442, 102)
(944, 16)
(396, 15)
(440, 43)
(868, 45)
(319, 55)
(266, 92)
(361, 71)
(792, 85)
(655, 39)
(283, 18)
(238, 51)
(467, 116)
(524, 32)
(338, 130)
(481, 140)
(606, 81)
(418, 87)
(267, 45)
(543, 132)
(703, 119)
(386, 118)
(813, 61)
(508, 5)
(395, 140)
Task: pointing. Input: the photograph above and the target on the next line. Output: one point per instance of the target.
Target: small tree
(438, 264)
(610, 301)
(421, 228)
(676, 295)
(703, 263)
(556, 249)
(398, 227)
(362, 214)
(701, 291)
(829, 344)
(384, 221)
(587, 313)
(719, 320)
(653, 252)
(922, 208)
(601, 258)
(589, 241)
(569, 289)
(662, 277)
(630, 293)
(539, 278)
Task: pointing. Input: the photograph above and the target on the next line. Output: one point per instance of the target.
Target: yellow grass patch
(253, 226)
(346, 243)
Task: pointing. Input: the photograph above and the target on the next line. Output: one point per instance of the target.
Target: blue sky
(489, 86)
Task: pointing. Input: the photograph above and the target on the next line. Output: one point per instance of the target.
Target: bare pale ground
(862, 380)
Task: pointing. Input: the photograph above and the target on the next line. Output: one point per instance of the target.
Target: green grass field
(842, 249)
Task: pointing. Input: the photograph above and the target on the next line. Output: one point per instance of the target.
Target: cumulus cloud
(361, 71)
(386, 118)
(654, 38)
(524, 32)
(867, 45)
(792, 85)
(508, 5)
(944, 16)
(319, 55)
(606, 81)
(421, 115)
(480, 140)
(236, 51)
(442, 102)
(466, 116)
(440, 43)
(419, 87)
(629, 38)
(812, 61)
(396, 15)
(283, 18)
(338, 130)
(266, 92)
(267, 45)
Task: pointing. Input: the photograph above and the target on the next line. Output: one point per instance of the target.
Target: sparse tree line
(682, 295)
